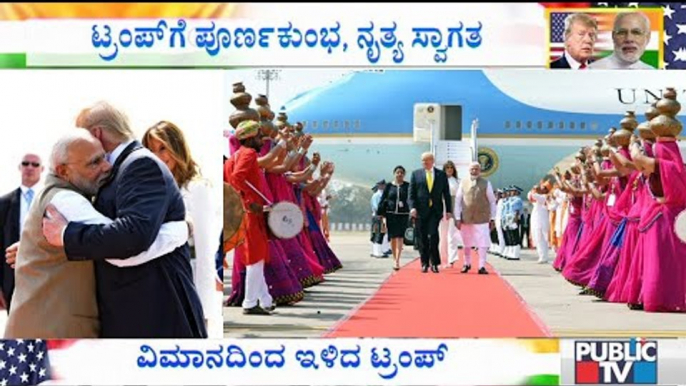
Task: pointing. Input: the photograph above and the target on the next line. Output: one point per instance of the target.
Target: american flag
(674, 30)
(23, 362)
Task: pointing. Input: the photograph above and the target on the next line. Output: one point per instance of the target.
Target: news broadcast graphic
(616, 362)
(612, 38)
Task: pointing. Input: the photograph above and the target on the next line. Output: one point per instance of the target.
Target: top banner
(288, 35)
(348, 35)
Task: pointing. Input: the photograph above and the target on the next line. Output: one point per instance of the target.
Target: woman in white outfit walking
(451, 245)
(167, 141)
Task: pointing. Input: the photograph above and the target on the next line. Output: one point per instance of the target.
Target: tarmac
(554, 301)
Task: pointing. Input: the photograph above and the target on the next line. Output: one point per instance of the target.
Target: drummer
(242, 168)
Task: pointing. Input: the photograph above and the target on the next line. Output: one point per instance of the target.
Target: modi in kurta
(475, 211)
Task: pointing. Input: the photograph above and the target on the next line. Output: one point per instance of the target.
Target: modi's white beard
(473, 178)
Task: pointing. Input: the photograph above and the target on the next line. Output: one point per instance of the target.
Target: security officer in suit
(13, 209)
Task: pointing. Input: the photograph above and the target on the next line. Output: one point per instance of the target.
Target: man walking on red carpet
(429, 190)
(475, 211)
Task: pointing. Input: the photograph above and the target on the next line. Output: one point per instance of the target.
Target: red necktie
(583, 66)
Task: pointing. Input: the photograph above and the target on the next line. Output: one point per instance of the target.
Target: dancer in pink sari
(301, 259)
(300, 255)
(579, 270)
(571, 186)
(623, 277)
(625, 286)
(628, 241)
(327, 258)
(663, 288)
(622, 177)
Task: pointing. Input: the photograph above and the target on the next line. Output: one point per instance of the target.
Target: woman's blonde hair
(173, 139)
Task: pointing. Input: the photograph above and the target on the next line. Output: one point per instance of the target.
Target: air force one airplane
(529, 120)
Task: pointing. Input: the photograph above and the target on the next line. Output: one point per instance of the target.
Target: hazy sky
(291, 83)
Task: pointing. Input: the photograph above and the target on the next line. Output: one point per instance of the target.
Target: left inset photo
(111, 204)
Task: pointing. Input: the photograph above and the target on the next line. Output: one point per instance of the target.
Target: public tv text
(616, 362)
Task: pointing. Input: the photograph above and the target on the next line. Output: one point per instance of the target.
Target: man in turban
(243, 173)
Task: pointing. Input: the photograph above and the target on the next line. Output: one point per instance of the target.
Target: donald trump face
(581, 33)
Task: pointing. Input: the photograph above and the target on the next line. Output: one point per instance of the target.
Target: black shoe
(425, 269)
(434, 269)
(270, 309)
(257, 310)
(482, 271)
(466, 268)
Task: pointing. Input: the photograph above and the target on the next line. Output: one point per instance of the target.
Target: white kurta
(540, 225)
(612, 62)
(559, 213)
(450, 237)
(475, 235)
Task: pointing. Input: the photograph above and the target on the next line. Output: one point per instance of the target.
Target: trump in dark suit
(429, 196)
(580, 35)
(153, 300)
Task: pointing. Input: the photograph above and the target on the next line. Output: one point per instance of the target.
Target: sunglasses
(27, 163)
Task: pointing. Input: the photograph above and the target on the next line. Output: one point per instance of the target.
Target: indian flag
(549, 352)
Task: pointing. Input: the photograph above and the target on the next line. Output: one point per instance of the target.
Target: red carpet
(444, 305)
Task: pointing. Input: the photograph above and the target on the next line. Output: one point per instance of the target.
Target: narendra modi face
(631, 35)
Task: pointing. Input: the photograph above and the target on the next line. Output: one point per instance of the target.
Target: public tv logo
(616, 362)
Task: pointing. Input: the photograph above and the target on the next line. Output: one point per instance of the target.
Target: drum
(680, 226)
(285, 220)
(234, 219)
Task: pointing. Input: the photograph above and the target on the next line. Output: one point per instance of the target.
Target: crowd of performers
(623, 196)
(269, 164)
(540, 228)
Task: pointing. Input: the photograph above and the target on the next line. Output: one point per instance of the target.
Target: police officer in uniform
(497, 238)
(503, 221)
(511, 224)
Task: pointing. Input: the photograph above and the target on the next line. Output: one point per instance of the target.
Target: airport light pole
(268, 76)
(433, 137)
(475, 144)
